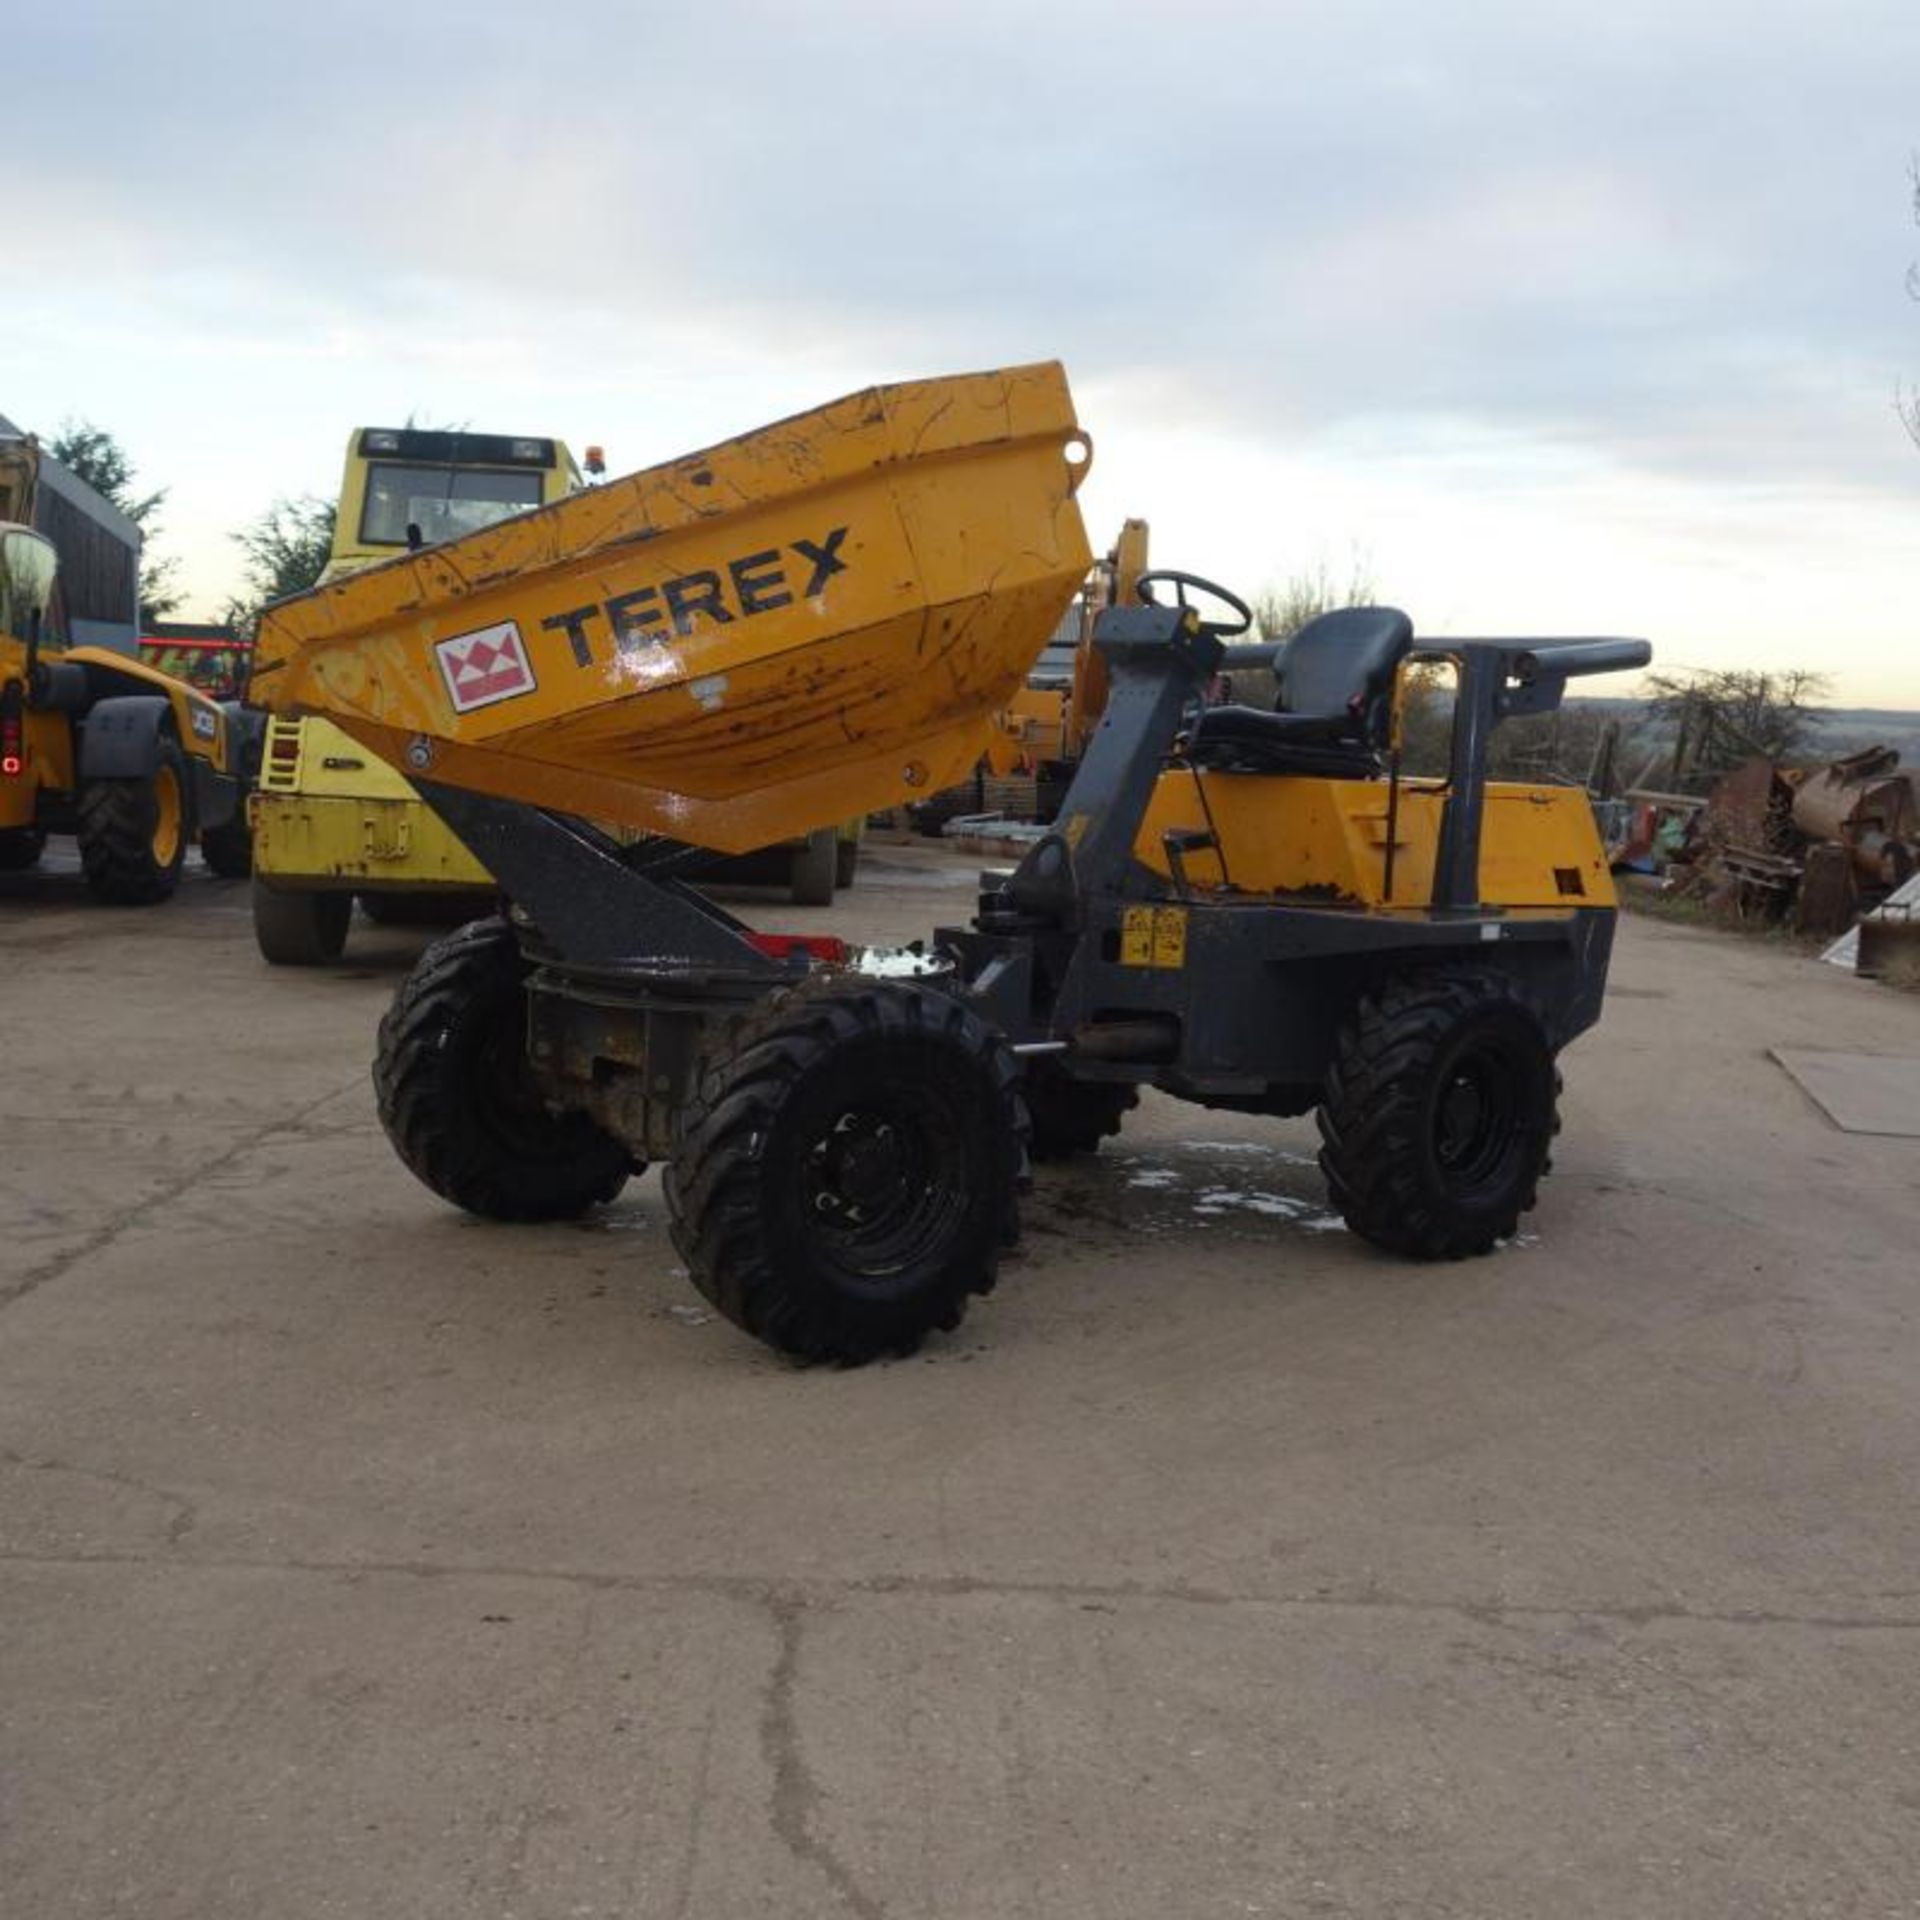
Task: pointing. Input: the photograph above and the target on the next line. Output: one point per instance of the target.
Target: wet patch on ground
(1242, 1189)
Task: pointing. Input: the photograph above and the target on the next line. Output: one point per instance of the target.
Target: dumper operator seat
(1335, 709)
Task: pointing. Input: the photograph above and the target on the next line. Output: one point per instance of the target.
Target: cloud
(1491, 250)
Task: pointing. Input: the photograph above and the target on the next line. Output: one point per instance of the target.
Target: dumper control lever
(1180, 582)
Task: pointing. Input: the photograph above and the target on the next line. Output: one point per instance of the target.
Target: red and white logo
(485, 667)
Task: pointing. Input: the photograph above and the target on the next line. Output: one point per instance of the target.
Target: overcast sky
(1557, 317)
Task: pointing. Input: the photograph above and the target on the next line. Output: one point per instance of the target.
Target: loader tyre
(133, 833)
(848, 1168)
(451, 1081)
(846, 862)
(814, 866)
(228, 849)
(1439, 1113)
(21, 848)
(1073, 1116)
(300, 926)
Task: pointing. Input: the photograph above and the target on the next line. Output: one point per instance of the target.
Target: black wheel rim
(1479, 1119)
(882, 1185)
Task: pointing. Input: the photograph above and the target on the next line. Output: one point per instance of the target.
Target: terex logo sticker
(485, 667)
(755, 583)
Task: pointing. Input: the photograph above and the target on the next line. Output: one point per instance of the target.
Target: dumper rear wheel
(1439, 1113)
(848, 1169)
(457, 1098)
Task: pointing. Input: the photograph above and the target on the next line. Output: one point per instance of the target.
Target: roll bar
(1566, 659)
(1527, 660)
(1539, 671)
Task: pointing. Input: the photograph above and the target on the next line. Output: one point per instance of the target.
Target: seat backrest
(1343, 663)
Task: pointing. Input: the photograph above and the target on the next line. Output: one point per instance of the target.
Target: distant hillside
(1846, 728)
(1842, 729)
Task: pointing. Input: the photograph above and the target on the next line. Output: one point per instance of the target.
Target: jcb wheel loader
(1252, 910)
(131, 761)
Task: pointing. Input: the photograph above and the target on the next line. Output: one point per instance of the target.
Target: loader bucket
(788, 630)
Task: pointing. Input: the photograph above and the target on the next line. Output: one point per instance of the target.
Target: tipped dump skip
(790, 629)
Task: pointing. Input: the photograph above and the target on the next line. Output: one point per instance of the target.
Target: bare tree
(1304, 595)
(1281, 611)
(1718, 719)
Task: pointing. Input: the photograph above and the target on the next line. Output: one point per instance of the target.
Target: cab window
(443, 502)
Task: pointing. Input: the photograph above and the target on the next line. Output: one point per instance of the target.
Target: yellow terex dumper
(1242, 907)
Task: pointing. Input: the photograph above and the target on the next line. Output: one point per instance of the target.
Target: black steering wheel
(1180, 582)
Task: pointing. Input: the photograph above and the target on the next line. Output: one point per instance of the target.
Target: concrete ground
(361, 1559)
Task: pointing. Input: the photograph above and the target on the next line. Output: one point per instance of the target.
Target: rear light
(13, 730)
(822, 947)
(282, 763)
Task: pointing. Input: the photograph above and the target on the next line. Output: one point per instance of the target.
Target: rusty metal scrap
(1890, 942)
(1829, 894)
(1814, 845)
(1870, 807)
(1751, 808)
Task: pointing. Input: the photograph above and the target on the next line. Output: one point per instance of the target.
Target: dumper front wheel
(1439, 1113)
(457, 1097)
(848, 1169)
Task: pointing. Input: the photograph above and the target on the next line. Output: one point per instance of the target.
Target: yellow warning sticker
(1153, 937)
(1074, 829)
(1170, 937)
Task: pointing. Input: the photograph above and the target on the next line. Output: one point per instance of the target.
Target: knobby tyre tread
(750, 1140)
(1377, 1119)
(448, 1081)
(117, 819)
